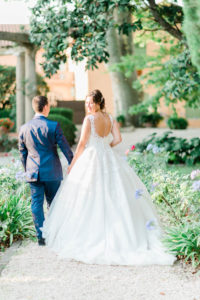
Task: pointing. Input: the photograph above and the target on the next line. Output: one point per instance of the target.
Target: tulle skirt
(103, 214)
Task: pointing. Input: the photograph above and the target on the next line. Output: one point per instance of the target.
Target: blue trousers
(38, 190)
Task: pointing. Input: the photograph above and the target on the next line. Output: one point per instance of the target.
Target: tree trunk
(120, 45)
(192, 29)
(20, 93)
(30, 82)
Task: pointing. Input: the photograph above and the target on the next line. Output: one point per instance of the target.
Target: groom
(38, 141)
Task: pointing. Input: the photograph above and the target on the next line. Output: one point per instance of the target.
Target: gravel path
(36, 273)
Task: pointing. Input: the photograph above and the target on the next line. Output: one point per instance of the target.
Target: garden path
(35, 273)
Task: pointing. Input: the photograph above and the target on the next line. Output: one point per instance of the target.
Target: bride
(102, 213)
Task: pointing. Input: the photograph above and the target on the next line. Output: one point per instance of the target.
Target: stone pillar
(20, 92)
(30, 82)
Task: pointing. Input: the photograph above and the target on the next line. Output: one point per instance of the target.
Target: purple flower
(17, 164)
(150, 225)
(154, 185)
(138, 193)
(196, 185)
(194, 174)
(149, 147)
(124, 157)
(155, 150)
(20, 176)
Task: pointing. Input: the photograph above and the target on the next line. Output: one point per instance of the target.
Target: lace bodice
(96, 139)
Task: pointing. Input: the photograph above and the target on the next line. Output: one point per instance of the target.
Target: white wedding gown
(102, 213)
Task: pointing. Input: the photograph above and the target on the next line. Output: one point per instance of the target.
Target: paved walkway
(35, 273)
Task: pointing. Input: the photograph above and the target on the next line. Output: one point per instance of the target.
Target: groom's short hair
(39, 103)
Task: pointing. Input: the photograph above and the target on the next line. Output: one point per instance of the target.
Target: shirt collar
(39, 115)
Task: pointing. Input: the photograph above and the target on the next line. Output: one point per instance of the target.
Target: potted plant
(150, 119)
(175, 122)
(121, 120)
(6, 125)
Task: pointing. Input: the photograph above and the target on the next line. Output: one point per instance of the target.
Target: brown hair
(97, 98)
(39, 103)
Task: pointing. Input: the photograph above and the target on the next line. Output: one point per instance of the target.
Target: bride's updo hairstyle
(97, 98)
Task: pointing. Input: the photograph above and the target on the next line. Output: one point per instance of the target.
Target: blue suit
(38, 140)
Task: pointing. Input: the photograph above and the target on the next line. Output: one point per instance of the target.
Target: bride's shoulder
(88, 118)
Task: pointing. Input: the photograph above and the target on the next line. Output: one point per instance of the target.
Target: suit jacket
(38, 140)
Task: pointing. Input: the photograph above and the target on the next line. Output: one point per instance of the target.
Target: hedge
(65, 112)
(5, 113)
(68, 127)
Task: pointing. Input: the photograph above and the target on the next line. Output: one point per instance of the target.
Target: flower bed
(15, 213)
(179, 150)
(6, 125)
(176, 194)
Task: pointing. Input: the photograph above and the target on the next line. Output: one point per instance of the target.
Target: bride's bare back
(102, 124)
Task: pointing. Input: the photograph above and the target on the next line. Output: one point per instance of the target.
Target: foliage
(85, 22)
(8, 88)
(177, 123)
(177, 198)
(179, 150)
(65, 112)
(83, 26)
(15, 213)
(5, 113)
(192, 29)
(184, 240)
(7, 85)
(170, 72)
(68, 127)
(6, 143)
(15, 220)
(157, 16)
(121, 119)
(152, 118)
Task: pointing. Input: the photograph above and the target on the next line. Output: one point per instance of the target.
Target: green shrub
(184, 240)
(180, 150)
(121, 119)
(16, 220)
(65, 112)
(5, 113)
(153, 119)
(7, 144)
(68, 127)
(177, 123)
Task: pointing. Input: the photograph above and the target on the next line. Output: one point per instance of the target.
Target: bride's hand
(69, 169)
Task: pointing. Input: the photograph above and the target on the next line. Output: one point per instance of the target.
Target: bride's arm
(85, 134)
(116, 134)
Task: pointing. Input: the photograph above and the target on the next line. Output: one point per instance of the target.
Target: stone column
(30, 82)
(20, 92)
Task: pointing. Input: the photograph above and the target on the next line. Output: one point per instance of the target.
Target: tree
(192, 29)
(100, 31)
(170, 71)
(8, 88)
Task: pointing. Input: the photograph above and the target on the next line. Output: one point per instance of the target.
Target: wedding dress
(102, 213)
